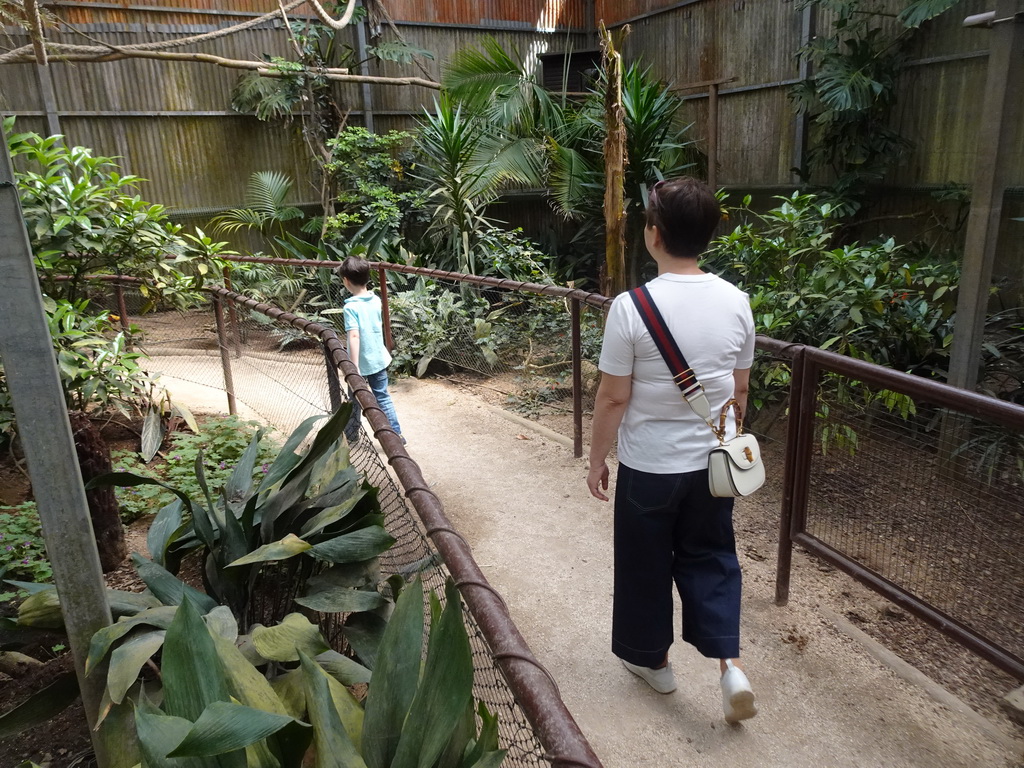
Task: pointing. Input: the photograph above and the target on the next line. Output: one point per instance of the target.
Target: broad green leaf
(239, 484)
(334, 748)
(222, 623)
(167, 522)
(41, 610)
(332, 514)
(364, 632)
(393, 686)
(445, 690)
(346, 671)
(245, 682)
(158, 734)
(186, 415)
(193, 675)
(105, 637)
(168, 588)
(41, 706)
(490, 760)
(326, 439)
(290, 546)
(287, 459)
(152, 433)
(342, 600)
(486, 744)
(349, 710)
(353, 547)
(225, 727)
(285, 641)
(128, 658)
(353, 575)
(290, 689)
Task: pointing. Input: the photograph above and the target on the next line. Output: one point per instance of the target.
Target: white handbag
(734, 467)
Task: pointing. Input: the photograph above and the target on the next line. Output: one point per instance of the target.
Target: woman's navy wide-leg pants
(670, 528)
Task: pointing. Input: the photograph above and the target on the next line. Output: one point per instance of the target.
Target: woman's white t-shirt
(711, 322)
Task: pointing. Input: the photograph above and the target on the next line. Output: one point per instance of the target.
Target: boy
(364, 330)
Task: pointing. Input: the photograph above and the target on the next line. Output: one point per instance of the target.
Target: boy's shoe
(662, 680)
(737, 695)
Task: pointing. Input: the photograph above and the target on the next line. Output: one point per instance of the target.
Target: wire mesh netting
(927, 498)
(519, 343)
(279, 377)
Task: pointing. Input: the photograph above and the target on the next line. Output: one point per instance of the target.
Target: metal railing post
(333, 380)
(577, 380)
(799, 449)
(236, 331)
(225, 358)
(385, 309)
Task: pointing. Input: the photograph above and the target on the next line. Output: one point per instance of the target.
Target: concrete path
(519, 497)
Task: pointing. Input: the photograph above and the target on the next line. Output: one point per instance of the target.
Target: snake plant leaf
(128, 658)
(290, 546)
(130, 603)
(225, 727)
(222, 623)
(286, 641)
(199, 467)
(364, 632)
(105, 637)
(165, 525)
(327, 469)
(456, 752)
(41, 706)
(343, 669)
(334, 748)
(342, 600)
(353, 547)
(30, 587)
(445, 690)
(393, 687)
(130, 480)
(349, 710)
(489, 760)
(239, 483)
(332, 515)
(193, 675)
(168, 588)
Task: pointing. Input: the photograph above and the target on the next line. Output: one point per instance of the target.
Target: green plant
(430, 322)
(96, 369)
(85, 218)
(852, 92)
(266, 209)
(221, 442)
(22, 551)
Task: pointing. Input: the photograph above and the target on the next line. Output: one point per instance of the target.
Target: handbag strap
(682, 373)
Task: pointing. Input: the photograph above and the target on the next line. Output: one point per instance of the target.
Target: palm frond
(920, 11)
(267, 191)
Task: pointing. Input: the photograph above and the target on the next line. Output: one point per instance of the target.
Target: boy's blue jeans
(379, 386)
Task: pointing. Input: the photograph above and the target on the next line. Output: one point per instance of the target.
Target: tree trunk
(615, 159)
(94, 459)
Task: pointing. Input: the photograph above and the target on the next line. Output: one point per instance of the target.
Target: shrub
(22, 552)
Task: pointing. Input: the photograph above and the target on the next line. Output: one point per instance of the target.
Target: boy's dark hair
(686, 213)
(356, 270)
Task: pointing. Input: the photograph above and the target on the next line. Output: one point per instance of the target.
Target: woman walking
(668, 527)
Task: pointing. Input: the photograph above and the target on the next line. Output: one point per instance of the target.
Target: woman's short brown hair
(686, 213)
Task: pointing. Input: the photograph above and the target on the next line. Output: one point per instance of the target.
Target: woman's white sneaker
(737, 695)
(662, 680)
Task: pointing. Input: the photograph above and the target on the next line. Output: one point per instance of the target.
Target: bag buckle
(698, 401)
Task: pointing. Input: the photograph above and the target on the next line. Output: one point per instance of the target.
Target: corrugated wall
(172, 122)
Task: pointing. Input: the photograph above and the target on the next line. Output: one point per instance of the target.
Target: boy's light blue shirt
(364, 313)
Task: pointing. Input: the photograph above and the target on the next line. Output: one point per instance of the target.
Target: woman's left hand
(597, 480)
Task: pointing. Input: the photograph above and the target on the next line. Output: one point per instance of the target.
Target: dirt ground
(518, 496)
